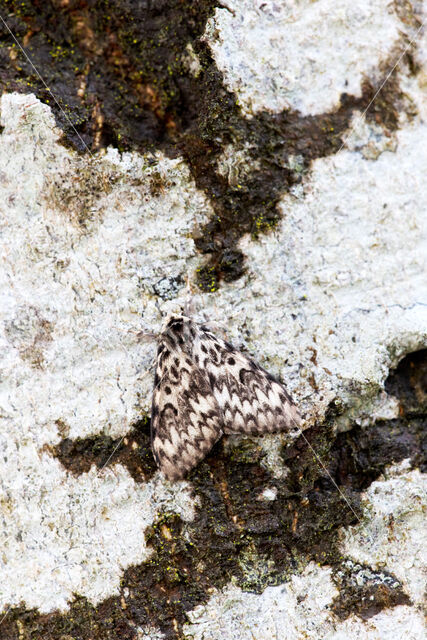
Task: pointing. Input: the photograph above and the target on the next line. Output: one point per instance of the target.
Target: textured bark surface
(195, 184)
(121, 74)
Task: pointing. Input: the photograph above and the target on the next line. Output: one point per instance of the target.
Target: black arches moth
(203, 388)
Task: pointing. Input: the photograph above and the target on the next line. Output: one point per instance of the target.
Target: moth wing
(185, 418)
(251, 400)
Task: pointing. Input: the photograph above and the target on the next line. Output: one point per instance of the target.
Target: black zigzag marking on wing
(252, 400)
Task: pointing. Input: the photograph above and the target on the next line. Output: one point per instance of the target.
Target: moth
(203, 388)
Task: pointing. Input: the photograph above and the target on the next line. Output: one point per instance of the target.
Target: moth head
(172, 324)
(177, 329)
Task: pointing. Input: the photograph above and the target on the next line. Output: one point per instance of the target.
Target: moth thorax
(178, 333)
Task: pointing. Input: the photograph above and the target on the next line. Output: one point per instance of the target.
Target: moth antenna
(215, 324)
(189, 309)
(139, 334)
(146, 336)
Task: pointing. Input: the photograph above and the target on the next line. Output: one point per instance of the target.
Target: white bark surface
(301, 54)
